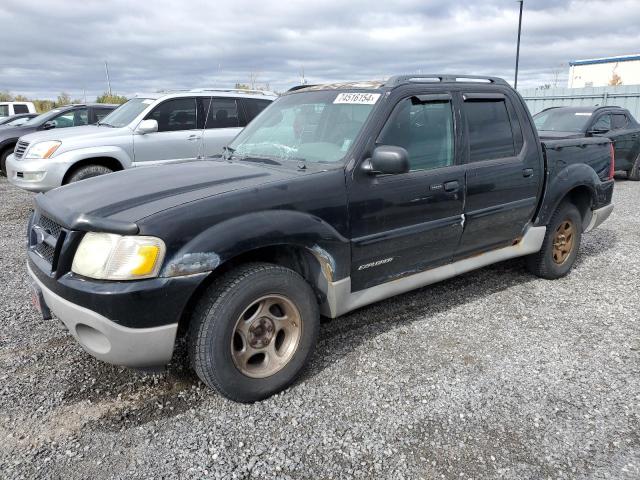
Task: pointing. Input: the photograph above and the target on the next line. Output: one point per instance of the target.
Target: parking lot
(494, 374)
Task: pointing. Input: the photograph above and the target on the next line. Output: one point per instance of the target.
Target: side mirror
(49, 125)
(388, 160)
(147, 126)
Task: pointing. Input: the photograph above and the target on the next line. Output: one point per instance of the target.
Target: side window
(223, 113)
(518, 138)
(489, 129)
(424, 129)
(81, 117)
(253, 106)
(20, 109)
(100, 113)
(619, 121)
(603, 123)
(64, 120)
(4, 110)
(174, 115)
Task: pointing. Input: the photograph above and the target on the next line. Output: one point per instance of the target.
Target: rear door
(178, 136)
(225, 119)
(405, 223)
(503, 172)
(624, 136)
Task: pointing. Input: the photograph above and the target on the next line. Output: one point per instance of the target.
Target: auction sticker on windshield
(357, 98)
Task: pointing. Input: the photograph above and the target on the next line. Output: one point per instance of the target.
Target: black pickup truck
(615, 123)
(335, 197)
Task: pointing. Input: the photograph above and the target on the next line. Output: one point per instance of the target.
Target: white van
(11, 108)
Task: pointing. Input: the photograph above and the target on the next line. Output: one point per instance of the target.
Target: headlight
(42, 149)
(106, 256)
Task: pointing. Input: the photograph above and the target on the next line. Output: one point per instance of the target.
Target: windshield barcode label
(358, 98)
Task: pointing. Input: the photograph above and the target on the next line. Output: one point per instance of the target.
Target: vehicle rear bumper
(107, 340)
(598, 216)
(36, 175)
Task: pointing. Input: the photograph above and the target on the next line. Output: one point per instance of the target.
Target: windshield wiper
(268, 161)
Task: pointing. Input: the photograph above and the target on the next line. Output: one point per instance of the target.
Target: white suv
(7, 109)
(147, 130)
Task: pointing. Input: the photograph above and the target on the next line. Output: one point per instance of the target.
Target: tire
(88, 171)
(221, 342)
(552, 263)
(634, 173)
(3, 160)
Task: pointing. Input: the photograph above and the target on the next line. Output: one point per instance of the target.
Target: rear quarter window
(254, 106)
(20, 109)
(489, 129)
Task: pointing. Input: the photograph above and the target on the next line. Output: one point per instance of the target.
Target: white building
(600, 72)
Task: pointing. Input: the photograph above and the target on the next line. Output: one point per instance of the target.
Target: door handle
(527, 172)
(451, 186)
(193, 137)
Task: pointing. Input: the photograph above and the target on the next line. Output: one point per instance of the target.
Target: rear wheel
(560, 246)
(253, 331)
(88, 171)
(634, 173)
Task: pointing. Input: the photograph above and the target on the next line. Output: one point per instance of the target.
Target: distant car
(67, 116)
(149, 129)
(8, 109)
(612, 122)
(17, 119)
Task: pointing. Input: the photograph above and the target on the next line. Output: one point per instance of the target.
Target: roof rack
(298, 87)
(199, 90)
(443, 78)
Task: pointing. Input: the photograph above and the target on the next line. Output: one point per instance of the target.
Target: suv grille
(44, 237)
(21, 147)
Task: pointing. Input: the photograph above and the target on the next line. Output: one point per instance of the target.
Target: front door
(503, 173)
(178, 136)
(405, 223)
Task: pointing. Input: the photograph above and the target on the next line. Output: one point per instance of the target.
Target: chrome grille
(21, 147)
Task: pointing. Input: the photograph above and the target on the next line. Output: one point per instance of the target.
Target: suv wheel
(560, 246)
(634, 173)
(3, 160)
(253, 331)
(88, 171)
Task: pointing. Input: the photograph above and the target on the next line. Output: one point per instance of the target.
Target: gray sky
(49, 46)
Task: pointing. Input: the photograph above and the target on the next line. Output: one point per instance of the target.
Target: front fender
(73, 156)
(228, 239)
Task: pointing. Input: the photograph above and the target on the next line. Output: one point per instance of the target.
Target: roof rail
(444, 78)
(299, 87)
(200, 90)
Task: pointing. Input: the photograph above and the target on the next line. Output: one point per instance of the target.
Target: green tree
(63, 99)
(113, 98)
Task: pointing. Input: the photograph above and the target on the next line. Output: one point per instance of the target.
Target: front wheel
(3, 160)
(88, 171)
(560, 246)
(253, 331)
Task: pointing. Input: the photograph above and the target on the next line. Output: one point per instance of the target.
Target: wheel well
(299, 259)
(108, 162)
(8, 146)
(582, 198)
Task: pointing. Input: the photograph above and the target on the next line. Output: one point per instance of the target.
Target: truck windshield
(126, 113)
(317, 126)
(561, 120)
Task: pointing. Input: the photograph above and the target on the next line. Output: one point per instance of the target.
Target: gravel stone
(494, 374)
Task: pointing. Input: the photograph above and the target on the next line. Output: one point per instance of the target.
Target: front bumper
(108, 341)
(37, 175)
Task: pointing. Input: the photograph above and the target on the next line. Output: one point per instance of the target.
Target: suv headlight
(42, 149)
(107, 256)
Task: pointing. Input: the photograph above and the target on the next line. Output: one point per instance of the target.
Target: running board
(340, 299)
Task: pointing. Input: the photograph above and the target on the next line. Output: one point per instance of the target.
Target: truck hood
(116, 201)
(71, 133)
(554, 134)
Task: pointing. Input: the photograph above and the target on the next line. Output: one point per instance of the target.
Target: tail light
(612, 166)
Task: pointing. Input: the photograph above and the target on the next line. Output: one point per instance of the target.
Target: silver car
(147, 130)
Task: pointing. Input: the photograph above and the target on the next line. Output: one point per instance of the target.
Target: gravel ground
(495, 374)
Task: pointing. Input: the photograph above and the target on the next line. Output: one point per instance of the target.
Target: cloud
(55, 45)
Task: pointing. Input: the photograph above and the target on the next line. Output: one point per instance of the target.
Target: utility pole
(515, 83)
(106, 69)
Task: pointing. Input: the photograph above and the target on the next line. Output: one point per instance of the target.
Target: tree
(20, 98)
(6, 96)
(242, 86)
(615, 80)
(63, 99)
(113, 98)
